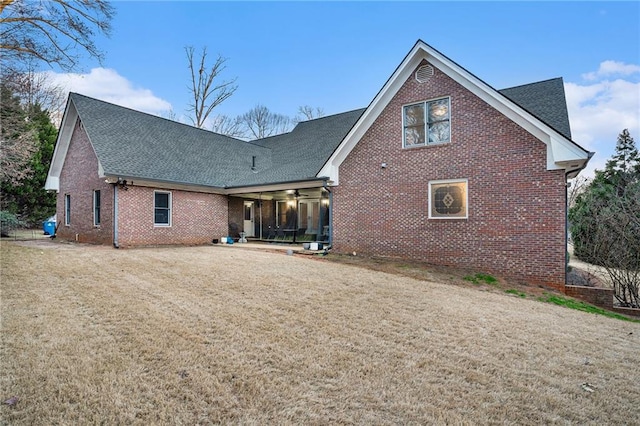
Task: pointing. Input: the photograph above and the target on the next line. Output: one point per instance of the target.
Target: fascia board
(282, 186)
(559, 148)
(62, 146)
(382, 99)
(134, 181)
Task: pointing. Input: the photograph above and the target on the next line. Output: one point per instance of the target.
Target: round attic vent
(424, 73)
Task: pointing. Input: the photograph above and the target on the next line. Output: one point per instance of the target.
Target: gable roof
(562, 152)
(140, 147)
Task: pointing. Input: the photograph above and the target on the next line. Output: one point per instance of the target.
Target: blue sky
(337, 55)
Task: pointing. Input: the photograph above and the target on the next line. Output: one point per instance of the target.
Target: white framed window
(67, 209)
(96, 208)
(426, 123)
(161, 208)
(449, 199)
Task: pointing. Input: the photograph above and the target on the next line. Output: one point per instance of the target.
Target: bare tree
(18, 142)
(208, 92)
(229, 126)
(616, 240)
(576, 187)
(260, 122)
(51, 31)
(605, 221)
(307, 112)
(35, 88)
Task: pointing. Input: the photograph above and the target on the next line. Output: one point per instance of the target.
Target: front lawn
(219, 334)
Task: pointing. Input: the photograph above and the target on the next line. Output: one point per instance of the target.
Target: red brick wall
(598, 296)
(516, 217)
(79, 178)
(196, 218)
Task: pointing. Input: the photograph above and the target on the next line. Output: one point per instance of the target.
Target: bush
(9, 222)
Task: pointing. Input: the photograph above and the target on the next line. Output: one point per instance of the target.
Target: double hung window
(162, 208)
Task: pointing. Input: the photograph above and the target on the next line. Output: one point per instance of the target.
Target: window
(67, 209)
(427, 123)
(162, 208)
(448, 199)
(96, 208)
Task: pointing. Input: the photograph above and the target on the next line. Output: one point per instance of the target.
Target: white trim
(560, 150)
(170, 209)
(466, 198)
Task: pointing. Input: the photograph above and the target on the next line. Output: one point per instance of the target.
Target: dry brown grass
(203, 335)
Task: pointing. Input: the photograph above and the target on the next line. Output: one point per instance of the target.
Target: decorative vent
(424, 73)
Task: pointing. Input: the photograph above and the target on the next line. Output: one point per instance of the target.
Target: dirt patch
(436, 273)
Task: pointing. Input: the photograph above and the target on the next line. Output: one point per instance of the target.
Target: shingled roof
(134, 144)
(544, 99)
(301, 153)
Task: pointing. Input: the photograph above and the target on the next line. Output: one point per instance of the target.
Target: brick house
(440, 167)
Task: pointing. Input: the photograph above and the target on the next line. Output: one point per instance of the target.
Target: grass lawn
(205, 335)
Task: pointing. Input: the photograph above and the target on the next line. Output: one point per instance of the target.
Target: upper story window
(427, 123)
(162, 208)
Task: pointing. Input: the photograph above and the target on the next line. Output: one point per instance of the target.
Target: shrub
(9, 222)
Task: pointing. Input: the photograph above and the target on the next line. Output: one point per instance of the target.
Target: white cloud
(612, 68)
(107, 85)
(601, 108)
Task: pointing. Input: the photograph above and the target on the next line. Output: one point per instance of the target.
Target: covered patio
(293, 212)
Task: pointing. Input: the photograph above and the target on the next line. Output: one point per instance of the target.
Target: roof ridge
(332, 115)
(532, 83)
(154, 116)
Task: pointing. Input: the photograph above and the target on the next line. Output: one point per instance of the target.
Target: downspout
(115, 216)
(326, 187)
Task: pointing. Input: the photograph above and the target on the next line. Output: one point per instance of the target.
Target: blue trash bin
(49, 227)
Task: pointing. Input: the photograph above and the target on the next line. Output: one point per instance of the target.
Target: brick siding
(515, 225)
(197, 218)
(79, 178)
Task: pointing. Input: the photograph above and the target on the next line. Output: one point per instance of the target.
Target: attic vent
(424, 73)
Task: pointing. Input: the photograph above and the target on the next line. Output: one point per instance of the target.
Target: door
(309, 215)
(249, 219)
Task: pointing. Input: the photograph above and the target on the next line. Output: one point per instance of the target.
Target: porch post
(330, 218)
(260, 201)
